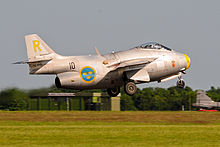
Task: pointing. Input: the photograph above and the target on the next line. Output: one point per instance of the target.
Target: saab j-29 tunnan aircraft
(142, 64)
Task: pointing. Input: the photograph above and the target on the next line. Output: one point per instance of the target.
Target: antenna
(97, 51)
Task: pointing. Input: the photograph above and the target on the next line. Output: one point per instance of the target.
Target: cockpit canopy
(154, 45)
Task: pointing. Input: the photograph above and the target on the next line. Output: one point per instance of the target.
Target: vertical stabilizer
(202, 97)
(37, 49)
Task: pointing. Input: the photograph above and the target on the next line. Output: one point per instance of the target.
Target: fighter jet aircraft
(205, 102)
(142, 64)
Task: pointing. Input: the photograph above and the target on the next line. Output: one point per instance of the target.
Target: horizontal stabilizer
(20, 62)
(27, 62)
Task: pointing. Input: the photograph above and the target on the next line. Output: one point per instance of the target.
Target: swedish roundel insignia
(87, 74)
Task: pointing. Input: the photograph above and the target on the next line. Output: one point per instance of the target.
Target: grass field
(60, 128)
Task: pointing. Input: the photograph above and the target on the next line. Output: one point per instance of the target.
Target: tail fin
(202, 97)
(37, 49)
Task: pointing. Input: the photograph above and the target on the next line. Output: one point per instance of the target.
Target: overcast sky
(73, 27)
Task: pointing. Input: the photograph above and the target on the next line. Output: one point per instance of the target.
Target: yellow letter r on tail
(36, 44)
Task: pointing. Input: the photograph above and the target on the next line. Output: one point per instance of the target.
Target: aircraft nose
(188, 62)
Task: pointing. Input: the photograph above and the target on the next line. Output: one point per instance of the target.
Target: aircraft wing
(131, 63)
(134, 68)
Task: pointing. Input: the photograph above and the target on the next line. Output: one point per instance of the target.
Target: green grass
(90, 129)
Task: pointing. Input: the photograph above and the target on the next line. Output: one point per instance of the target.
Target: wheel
(180, 83)
(130, 88)
(113, 91)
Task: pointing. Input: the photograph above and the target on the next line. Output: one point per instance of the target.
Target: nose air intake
(188, 62)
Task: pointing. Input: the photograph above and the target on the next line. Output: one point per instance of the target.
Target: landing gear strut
(130, 88)
(113, 91)
(180, 83)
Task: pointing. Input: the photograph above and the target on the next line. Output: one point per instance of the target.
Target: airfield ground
(60, 128)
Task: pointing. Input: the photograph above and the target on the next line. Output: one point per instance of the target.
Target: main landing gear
(129, 87)
(113, 91)
(180, 83)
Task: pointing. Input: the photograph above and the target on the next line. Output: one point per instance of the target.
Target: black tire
(180, 83)
(130, 88)
(112, 92)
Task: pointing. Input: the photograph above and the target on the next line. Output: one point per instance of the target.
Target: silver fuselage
(68, 69)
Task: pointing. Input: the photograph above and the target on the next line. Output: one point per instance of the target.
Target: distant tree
(161, 98)
(127, 103)
(137, 99)
(182, 97)
(54, 89)
(150, 98)
(13, 99)
(214, 94)
(146, 99)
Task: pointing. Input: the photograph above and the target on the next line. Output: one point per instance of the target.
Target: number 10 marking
(72, 65)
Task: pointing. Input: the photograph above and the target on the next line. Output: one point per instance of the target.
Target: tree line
(172, 98)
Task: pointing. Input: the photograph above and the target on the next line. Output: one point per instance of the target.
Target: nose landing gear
(180, 83)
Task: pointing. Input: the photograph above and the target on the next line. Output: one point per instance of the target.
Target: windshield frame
(154, 45)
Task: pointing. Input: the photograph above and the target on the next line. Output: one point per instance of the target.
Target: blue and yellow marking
(87, 74)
